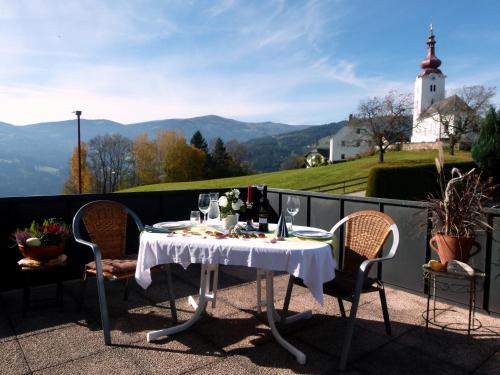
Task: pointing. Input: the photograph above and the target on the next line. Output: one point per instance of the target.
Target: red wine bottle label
(262, 220)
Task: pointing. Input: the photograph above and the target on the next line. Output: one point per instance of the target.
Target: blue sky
(297, 62)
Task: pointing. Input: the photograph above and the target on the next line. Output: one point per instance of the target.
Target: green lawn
(301, 179)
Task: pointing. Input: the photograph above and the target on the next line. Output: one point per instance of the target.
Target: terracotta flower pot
(453, 247)
(42, 253)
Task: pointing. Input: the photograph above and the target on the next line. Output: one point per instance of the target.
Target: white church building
(429, 99)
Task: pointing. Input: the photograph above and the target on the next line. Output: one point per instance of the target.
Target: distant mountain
(34, 159)
(268, 153)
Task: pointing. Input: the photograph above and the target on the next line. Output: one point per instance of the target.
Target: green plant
(486, 150)
(458, 209)
(230, 203)
(50, 232)
(410, 182)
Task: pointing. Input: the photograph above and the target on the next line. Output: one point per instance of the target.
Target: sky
(295, 62)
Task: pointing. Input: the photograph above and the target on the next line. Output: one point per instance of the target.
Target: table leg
(205, 297)
(303, 315)
(301, 357)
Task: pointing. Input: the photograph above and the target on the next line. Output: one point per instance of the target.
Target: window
(342, 156)
(433, 88)
(342, 143)
(358, 131)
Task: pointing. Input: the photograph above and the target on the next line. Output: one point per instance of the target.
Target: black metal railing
(341, 186)
(316, 209)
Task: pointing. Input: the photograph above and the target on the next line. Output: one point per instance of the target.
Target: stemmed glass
(204, 204)
(293, 206)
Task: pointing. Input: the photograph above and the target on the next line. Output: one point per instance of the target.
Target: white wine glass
(293, 206)
(204, 204)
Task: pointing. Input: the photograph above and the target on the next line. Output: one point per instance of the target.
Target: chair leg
(126, 290)
(103, 306)
(349, 332)
(171, 296)
(288, 296)
(83, 290)
(385, 311)
(341, 307)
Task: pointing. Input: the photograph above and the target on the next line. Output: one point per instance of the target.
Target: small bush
(414, 182)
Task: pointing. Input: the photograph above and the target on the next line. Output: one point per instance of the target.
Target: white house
(349, 142)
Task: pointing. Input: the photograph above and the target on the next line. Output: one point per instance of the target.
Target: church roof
(448, 105)
(430, 63)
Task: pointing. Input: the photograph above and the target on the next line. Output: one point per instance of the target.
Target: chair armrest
(136, 219)
(395, 242)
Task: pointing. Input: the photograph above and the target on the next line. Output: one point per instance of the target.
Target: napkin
(151, 229)
(281, 229)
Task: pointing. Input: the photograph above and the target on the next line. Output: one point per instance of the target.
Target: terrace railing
(317, 209)
(341, 187)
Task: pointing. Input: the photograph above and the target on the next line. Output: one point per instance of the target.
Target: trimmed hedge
(413, 182)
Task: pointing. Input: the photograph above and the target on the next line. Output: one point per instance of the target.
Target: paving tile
(157, 292)
(231, 365)
(490, 366)
(42, 318)
(61, 345)
(451, 346)
(111, 362)
(399, 359)
(405, 313)
(242, 297)
(235, 333)
(6, 331)
(326, 333)
(272, 358)
(174, 355)
(304, 300)
(12, 358)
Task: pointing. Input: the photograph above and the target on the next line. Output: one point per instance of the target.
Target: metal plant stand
(454, 283)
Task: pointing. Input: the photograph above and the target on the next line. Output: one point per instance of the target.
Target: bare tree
(110, 157)
(460, 114)
(385, 119)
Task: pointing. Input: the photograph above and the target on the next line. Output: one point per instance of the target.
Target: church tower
(429, 84)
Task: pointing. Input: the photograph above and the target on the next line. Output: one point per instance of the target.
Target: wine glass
(293, 206)
(204, 204)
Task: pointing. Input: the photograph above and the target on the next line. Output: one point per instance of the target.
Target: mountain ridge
(34, 158)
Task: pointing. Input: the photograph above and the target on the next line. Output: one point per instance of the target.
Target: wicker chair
(365, 235)
(106, 225)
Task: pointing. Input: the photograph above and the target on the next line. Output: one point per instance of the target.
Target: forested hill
(268, 153)
(34, 159)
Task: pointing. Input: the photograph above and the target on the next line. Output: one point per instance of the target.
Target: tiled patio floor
(233, 338)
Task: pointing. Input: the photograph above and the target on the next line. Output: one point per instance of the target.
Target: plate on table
(315, 234)
(172, 225)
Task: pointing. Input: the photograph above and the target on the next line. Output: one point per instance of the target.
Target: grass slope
(301, 179)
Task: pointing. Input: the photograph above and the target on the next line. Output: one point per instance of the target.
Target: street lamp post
(78, 114)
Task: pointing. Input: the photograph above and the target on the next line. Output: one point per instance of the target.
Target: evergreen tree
(220, 163)
(486, 150)
(199, 142)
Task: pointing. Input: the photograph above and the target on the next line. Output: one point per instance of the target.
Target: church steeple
(429, 89)
(431, 63)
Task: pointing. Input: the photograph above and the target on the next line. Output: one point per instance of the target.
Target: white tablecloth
(312, 261)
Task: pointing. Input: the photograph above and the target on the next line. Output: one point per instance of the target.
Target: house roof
(450, 105)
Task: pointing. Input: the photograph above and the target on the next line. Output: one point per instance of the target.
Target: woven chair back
(365, 234)
(106, 224)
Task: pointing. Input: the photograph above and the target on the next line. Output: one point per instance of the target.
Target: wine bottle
(264, 211)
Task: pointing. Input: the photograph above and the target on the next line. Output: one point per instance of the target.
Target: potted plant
(230, 206)
(456, 213)
(43, 241)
